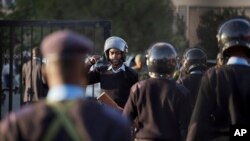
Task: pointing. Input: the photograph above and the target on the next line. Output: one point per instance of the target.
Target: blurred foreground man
(158, 105)
(66, 115)
(224, 94)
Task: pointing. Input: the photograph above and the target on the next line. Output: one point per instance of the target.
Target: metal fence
(17, 38)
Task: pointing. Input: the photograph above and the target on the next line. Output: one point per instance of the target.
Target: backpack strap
(63, 120)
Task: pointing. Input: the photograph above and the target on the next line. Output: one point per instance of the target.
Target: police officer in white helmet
(115, 78)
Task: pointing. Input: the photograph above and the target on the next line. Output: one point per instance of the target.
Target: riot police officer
(223, 98)
(158, 104)
(115, 78)
(194, 66)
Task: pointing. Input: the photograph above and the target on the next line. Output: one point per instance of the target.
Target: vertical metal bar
(94, 39)
(32, 38)
(11, 45)
(1, 68)
(21, 74)
(106, 32)
(31, 92)
(106, 29)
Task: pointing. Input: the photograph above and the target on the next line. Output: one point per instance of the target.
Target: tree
(208, 26)
(140, 23)
(179, 38)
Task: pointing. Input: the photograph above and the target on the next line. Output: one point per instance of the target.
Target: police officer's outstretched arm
(94, 73)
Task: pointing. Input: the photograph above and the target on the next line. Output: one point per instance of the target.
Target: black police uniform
(223, 98)
(159, 105)
(116, 85)
(195, 66)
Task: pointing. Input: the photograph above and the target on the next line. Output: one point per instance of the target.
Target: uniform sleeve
(199, 128)
(183, 110)
(130, 109)
(94, 76)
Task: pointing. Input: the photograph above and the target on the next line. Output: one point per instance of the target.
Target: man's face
(219, 62)
(115, 57)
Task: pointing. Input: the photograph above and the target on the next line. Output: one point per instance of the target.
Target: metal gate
(17, 38)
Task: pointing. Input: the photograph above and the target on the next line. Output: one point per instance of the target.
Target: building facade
(191, 10)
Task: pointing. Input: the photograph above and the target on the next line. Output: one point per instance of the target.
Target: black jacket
(161, 108)
(116, 85)
(223, 100)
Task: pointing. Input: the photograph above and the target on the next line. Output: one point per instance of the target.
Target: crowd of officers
(192, 103)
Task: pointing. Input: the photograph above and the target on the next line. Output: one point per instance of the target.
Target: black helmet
(194, 59)
(117, 43)
(161, 60)
(234, 33)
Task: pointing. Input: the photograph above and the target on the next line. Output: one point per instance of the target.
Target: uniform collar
(196, 72)
(122, 68)
(65, 92)
(237, 61)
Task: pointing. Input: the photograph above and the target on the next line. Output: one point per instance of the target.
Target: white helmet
(117, 43)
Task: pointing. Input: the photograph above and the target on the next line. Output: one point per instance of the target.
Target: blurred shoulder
(182, 89)
(26, 114)
(93, 108)
(131, 71)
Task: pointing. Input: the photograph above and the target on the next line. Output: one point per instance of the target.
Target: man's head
(115, 49)
(161, 60)
(220, 60)
(64, 52)
(234, 37)
(139, 61)
(36, 52)
(194, 59)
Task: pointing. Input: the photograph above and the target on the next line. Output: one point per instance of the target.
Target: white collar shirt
(65, 92)
(122, 68)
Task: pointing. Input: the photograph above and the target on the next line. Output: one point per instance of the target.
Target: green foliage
(207, 29)
(139, 22)
(179, 38)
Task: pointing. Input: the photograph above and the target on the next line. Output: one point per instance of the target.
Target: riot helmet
(234, 33)
(194, 59)
(161, 60)
(117, 43)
